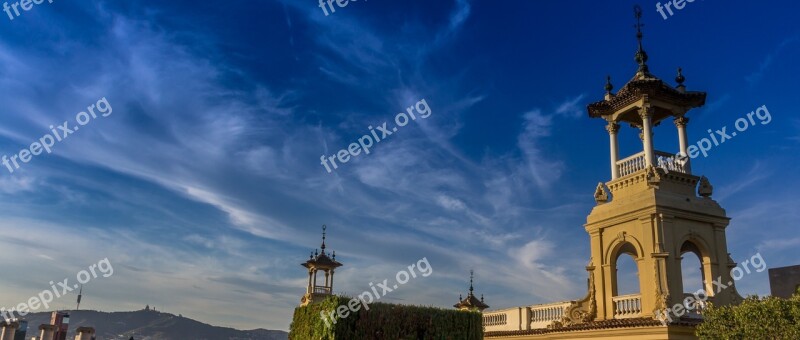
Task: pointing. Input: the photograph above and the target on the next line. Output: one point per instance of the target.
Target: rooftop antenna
(80, 295)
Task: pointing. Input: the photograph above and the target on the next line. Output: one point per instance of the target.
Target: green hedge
(384, 321)
(755, 318)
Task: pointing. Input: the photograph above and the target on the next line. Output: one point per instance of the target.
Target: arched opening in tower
(627, 275)
(691, 272)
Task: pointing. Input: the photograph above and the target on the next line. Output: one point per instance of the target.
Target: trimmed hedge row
(384, 321)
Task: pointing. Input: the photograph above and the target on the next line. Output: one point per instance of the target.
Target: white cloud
(451, 203)
(572, 108)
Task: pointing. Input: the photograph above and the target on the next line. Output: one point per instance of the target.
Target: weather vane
(637, 11)
(641, 55)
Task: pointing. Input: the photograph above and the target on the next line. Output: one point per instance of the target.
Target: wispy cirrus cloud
(755, 77)
(205, 183)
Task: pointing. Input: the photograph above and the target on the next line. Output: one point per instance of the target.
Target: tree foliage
(755, 318)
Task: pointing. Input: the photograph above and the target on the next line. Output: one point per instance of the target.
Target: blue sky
(204, 186)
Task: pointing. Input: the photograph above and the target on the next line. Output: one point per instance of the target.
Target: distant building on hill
(784, 281)
(61, 322)
(22, 331)
(57, 329)
(84, 333)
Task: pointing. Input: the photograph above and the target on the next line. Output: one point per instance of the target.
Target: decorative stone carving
(601, 194)
(653, 176)
(646, 112)
(612, 128)
(662, 301)
(662, 296)
(705, 189)
(583, 310)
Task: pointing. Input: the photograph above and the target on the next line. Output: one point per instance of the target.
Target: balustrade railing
(495, 320)
(543, 315)
(322, 290)
(695, 308)
(631, 164)
(670, 162)
(665, 160)
(627, 306)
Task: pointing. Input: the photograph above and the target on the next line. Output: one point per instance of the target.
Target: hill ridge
(150, 325)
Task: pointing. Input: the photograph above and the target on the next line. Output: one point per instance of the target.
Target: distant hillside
(150, 325)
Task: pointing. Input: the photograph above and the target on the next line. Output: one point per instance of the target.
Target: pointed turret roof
(321, 260)
(471, 302)
(645, 84)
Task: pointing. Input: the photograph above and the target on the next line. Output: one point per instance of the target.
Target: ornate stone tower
(652, 212)
(471, 303)
(316, 262)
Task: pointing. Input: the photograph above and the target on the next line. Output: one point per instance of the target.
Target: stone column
(681, 122)
(314, 281)
(84, 333)
(310, 282)
(612, 129)
(331, 284)
(47, 332)
(646, 114)
(8, 329)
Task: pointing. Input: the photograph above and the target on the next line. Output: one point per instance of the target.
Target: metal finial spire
(323, 237)
(680, 78)
(608, 86)
(641, 55)
(471, 275)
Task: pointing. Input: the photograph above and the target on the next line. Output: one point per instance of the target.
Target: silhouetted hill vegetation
(150, 325)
